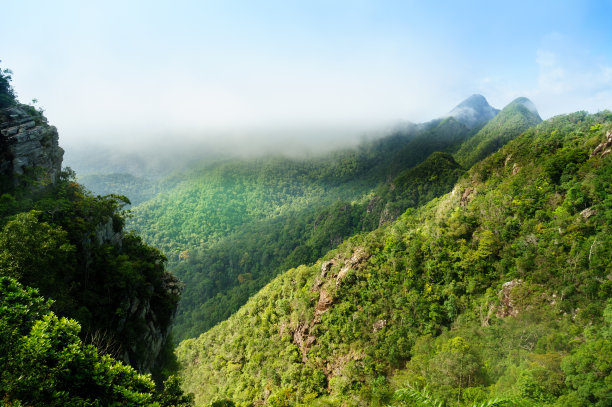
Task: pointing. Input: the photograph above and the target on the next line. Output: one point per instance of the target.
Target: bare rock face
(106, 234)
(605, 147)
(28, 143)
(153, 335)
(508, 308)
(326, 284)
(467, 196)
(378, 325)
(355, 262)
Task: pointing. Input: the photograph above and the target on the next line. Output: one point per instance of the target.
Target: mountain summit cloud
(473, 111)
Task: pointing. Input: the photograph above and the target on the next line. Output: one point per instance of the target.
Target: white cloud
(571, 78)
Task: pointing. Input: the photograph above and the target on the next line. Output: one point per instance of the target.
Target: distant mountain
(473, 111)
(515, 118)
(445, 135)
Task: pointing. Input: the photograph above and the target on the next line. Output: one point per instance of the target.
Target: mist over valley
(291, 204)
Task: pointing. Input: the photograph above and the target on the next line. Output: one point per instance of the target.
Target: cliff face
(28, 143)
(140, 314)
(141, 332)
(153, 334)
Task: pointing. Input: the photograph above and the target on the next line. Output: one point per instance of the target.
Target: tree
(36, 253)
(45, 363)
(7, 94)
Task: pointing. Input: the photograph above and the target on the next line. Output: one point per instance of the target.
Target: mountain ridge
(228, 247)
(347, 329)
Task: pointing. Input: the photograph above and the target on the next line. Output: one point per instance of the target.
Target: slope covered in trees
(222, 277)
(498, 289)
(231, 227)
(101, 296)
(45, 362)
(515, 118)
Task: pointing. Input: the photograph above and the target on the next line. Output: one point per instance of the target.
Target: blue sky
(122, 70)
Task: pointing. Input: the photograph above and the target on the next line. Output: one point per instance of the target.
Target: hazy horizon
(311, 75)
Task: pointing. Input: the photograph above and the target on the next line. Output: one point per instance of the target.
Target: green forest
(443, 264)
(229, 228)
(496, 293)
(85, 307)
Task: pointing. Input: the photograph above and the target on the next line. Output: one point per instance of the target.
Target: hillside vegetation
(222, 277)
(499, 289)
(85, 307)
(519, 115)
(229, 228)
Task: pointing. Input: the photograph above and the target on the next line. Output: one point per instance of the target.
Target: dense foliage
(221, 278)
(515, 118)
(72, 248)
(229, 228)
(90, 266)
(7, 94)
(136, 189)
(499, 289)
(45, 363)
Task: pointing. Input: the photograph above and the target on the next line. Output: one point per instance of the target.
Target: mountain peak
(473, 111)
(528, 104)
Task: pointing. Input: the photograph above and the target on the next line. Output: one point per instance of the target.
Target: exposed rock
(588, 212)
(143, 353)
(303, 339)
(326, 266)
(605, 147)
(106, 234)
(467, 196)
(27, 142)
(508, 308)
(378, 325)
(515, 169)
(324, 303)
(359, 256)
(302, 336)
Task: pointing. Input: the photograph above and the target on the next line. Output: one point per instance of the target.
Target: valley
(461, 261)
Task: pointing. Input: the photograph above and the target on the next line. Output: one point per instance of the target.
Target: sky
(131, 71)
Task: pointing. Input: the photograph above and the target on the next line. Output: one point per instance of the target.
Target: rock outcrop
(508, 307)
(28, 144)
(153, 334)
(605, 147)
(331, 277)
(30, 155)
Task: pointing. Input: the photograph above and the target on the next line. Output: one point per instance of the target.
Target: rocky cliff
(28, 145)
(143, 354)
(140, 334)
(141, 313)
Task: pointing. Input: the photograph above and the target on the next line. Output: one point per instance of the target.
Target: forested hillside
(137, 189)
(229, 228)
(499, 289)
(222, 277)
(85, 307)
